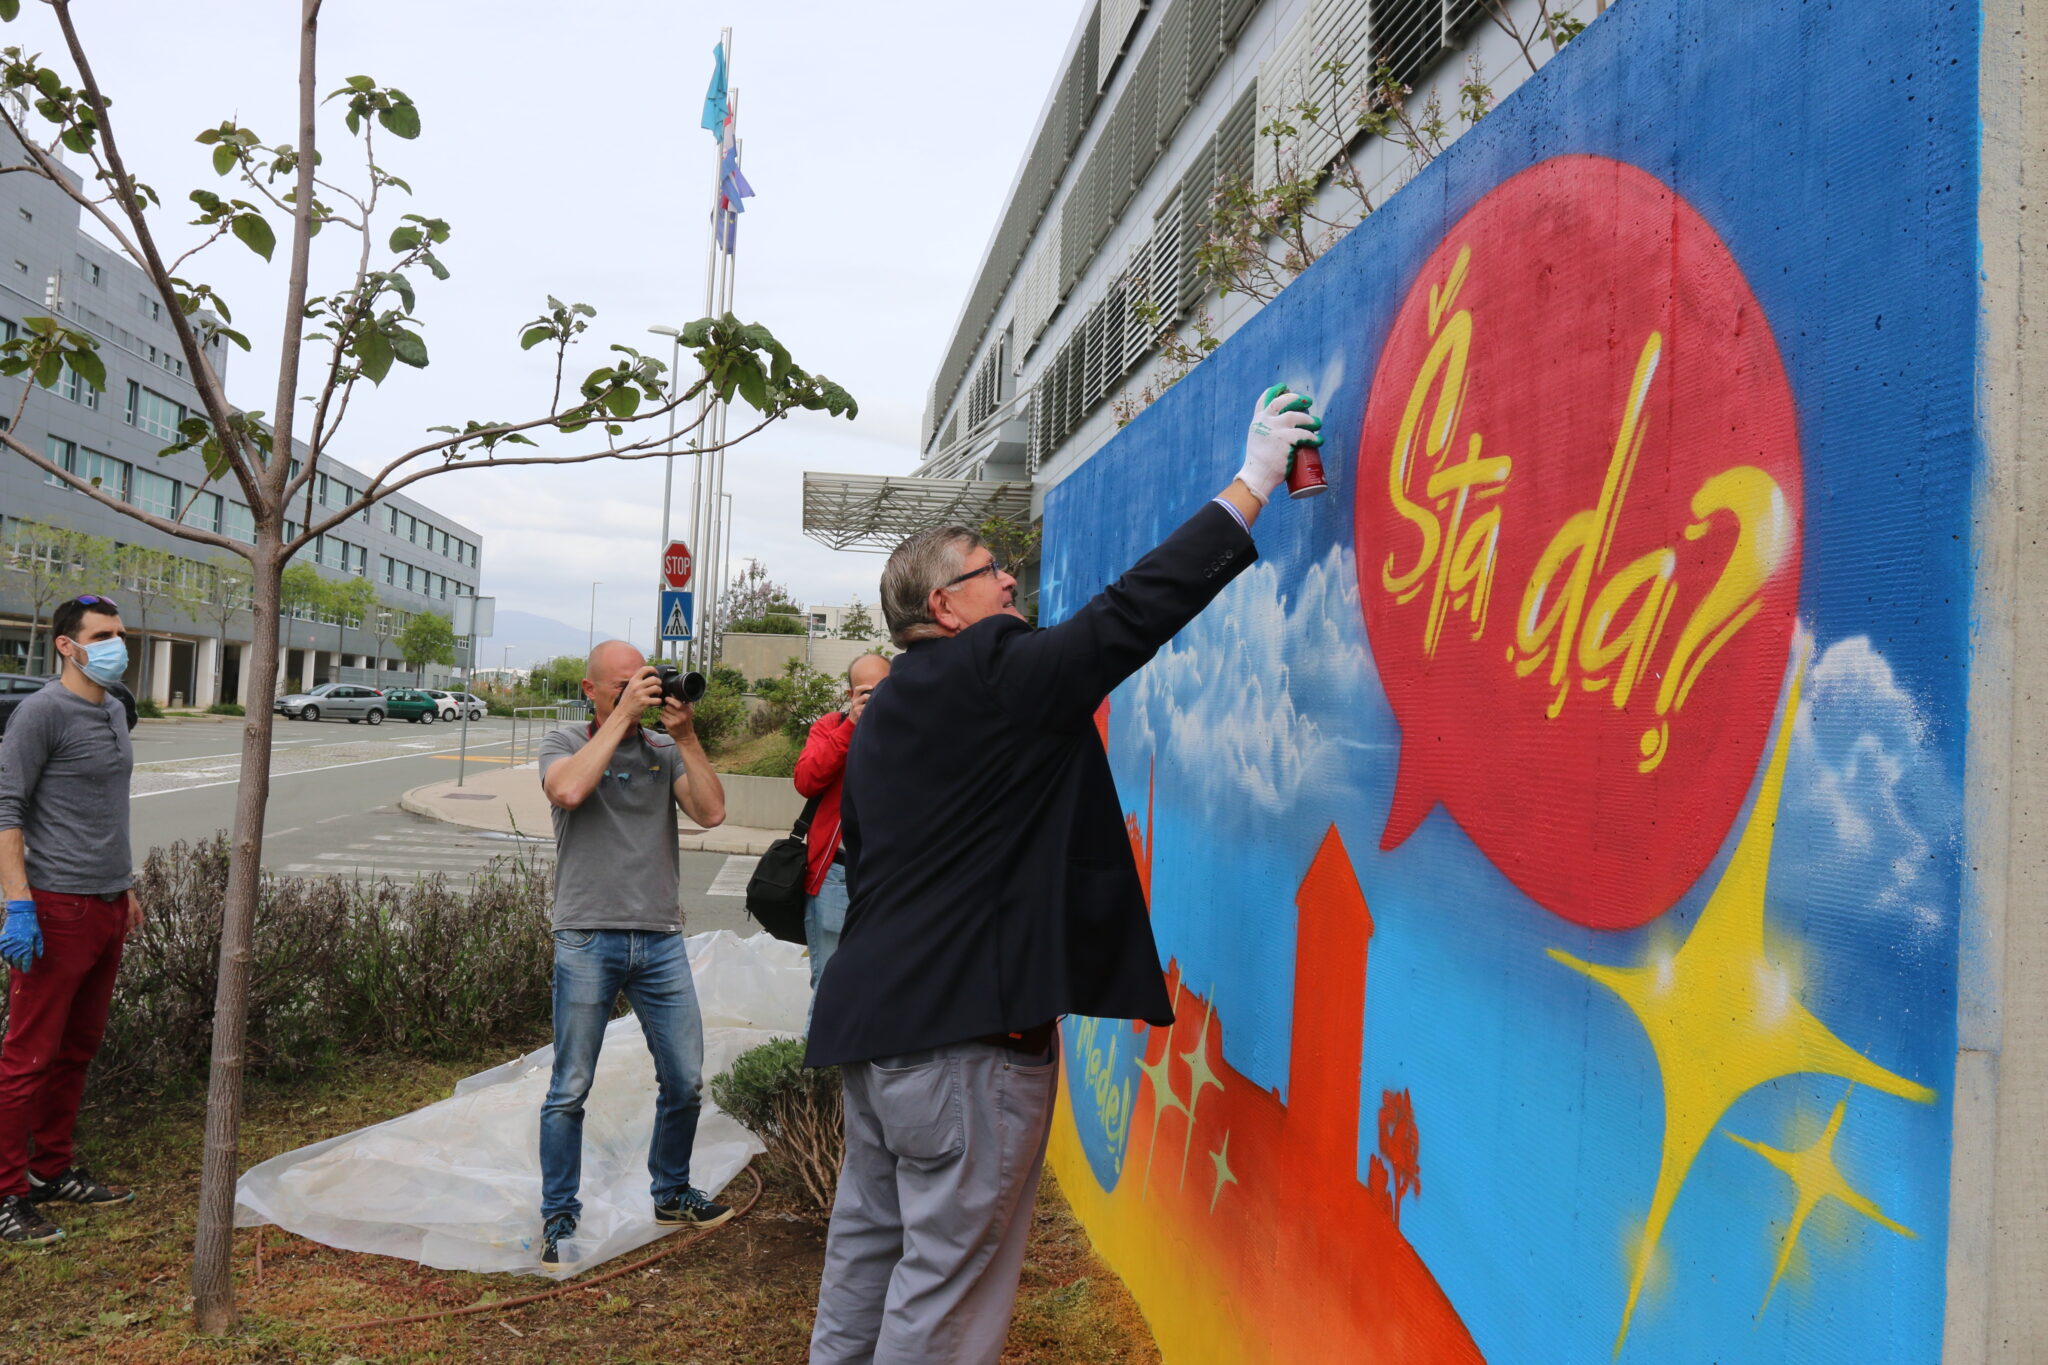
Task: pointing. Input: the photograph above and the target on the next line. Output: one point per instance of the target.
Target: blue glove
(21, 939)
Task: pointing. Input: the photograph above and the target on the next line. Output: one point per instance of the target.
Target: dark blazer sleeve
(1062, 673)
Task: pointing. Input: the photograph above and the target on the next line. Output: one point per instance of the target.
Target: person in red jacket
(820, 772)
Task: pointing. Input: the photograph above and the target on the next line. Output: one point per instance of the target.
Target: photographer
(992, 890)
(614, 788)
(819, 771)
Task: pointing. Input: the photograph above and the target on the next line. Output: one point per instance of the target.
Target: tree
(333, 347)
(227, 592)
(155, 580)
(857, 625)
(428, 638)
(753, 603)
(561, 676)
(799, 697)
(53, 561)
(351, 599)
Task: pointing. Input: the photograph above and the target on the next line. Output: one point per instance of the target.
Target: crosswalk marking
(732, 877)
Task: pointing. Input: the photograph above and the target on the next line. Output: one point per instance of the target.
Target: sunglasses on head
(86, 599)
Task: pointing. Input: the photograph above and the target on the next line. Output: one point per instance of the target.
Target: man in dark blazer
(992, 890)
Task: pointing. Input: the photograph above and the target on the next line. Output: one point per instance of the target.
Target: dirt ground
(116, 1288)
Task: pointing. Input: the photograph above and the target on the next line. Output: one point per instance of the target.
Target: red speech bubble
(1579, 521)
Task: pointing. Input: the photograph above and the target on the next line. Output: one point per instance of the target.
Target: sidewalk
(509, 801)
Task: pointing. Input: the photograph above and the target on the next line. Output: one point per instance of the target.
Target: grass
(756, 755)
(115, 1290)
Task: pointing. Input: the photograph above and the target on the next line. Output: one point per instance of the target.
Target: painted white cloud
(1232, 705)
(1869, 810)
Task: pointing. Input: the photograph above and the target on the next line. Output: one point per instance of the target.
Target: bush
(145, 709)
(794, 1111)
(721, 713)
(799, 697)
(779, 761)
(337, 964)
(226, 708)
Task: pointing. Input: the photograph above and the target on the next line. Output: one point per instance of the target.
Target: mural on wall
(1553, 839)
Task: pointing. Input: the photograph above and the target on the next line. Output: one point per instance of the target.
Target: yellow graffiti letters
(1098, 1078)
(1461, 554)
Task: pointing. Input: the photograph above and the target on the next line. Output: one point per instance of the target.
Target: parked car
(335, 701)
(16, 688)
(411, 704)
(451, 709)
(470, 704)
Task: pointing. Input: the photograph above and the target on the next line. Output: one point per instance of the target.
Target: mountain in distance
(531, 639)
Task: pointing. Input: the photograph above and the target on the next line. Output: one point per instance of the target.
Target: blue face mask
(105, 661)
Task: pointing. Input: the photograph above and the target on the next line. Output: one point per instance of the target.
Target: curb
(706, 841)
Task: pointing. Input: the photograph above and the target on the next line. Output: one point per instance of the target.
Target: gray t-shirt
(64, 769)
(617, 864)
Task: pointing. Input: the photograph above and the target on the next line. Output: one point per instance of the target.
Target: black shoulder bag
(775, 893)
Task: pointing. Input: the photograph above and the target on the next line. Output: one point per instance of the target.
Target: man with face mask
(65, 875)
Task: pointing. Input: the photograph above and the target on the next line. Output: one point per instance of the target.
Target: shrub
(337, 965)
(799, 697)
(794, 1111)
(145, 709)
(226, 708)
(779, 761)
(721, 713)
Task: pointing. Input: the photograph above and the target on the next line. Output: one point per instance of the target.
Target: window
(155, 493)
(292, 529)
(153, 307)
(103, 471)
(238, 523)
(391, 520)
(151, 412)
(88, 270)
(26, 216)
(59, 453)
(8, 331)
(390, 569)
(206, 512)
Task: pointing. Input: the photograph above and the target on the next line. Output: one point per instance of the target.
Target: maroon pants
(56, 1016)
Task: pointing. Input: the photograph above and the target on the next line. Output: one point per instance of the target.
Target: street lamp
(590, 641)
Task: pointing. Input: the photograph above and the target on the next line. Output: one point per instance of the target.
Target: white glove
(1280, 422)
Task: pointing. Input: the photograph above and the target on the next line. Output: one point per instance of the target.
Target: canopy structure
(876, 511)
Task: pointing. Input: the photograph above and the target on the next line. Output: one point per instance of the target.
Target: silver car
(335, 701)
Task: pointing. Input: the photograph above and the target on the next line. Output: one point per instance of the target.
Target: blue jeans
(591, 968)
(824, 918)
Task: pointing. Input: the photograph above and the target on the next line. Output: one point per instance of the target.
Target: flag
(714, 98)
(733, 189)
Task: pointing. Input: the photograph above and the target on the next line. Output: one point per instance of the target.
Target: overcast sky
(561, 142)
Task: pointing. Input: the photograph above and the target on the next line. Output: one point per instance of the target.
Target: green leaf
(77, 139)
(409, 347)
(399, 285)
(373, 354)
(400, 120)
(622, 401)
(362, 83)
(10, 10)
(90, 368)
(534, 336)
(433, 263)
(404, 238)
(255, 234)
(223, 159)
(215, 457)
(232, 335)
(49, 366)
(753, 385)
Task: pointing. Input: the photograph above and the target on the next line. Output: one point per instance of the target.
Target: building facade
(194, 654)
(1157, 107)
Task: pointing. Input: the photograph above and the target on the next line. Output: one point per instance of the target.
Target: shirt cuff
(1235, 515)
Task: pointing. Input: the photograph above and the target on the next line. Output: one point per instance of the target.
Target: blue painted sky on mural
(1846, 196)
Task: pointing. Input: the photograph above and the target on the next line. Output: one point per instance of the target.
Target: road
(334, 790)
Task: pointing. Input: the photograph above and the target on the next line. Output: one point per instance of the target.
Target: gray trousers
(943, 1152)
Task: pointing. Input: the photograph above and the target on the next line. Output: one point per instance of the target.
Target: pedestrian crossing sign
(675, 615)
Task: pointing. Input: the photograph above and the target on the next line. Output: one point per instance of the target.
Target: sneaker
(557, 1230)
(76, 1186)
(22, 1225)
(693, 1207)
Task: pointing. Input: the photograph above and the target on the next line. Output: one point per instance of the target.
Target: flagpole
(696, 652)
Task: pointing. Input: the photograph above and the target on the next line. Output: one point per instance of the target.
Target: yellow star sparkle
(1815, 1177)
(1164, 1100)
(1200, 1075)
(1722, 1018)
(1224, 1175)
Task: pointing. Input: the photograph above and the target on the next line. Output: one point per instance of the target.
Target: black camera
(684, 687)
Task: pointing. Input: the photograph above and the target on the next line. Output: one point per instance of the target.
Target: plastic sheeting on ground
(456, 1185)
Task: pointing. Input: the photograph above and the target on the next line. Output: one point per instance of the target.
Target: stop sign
(675, 565)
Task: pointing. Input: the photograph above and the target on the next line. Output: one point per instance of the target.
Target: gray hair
(916, 568)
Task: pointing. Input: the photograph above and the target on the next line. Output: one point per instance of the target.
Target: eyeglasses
(992, 568)
(86, 599)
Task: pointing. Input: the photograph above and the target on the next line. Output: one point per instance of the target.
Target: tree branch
(127, 509)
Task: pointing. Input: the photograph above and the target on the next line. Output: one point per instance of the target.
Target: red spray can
(1305, 473)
